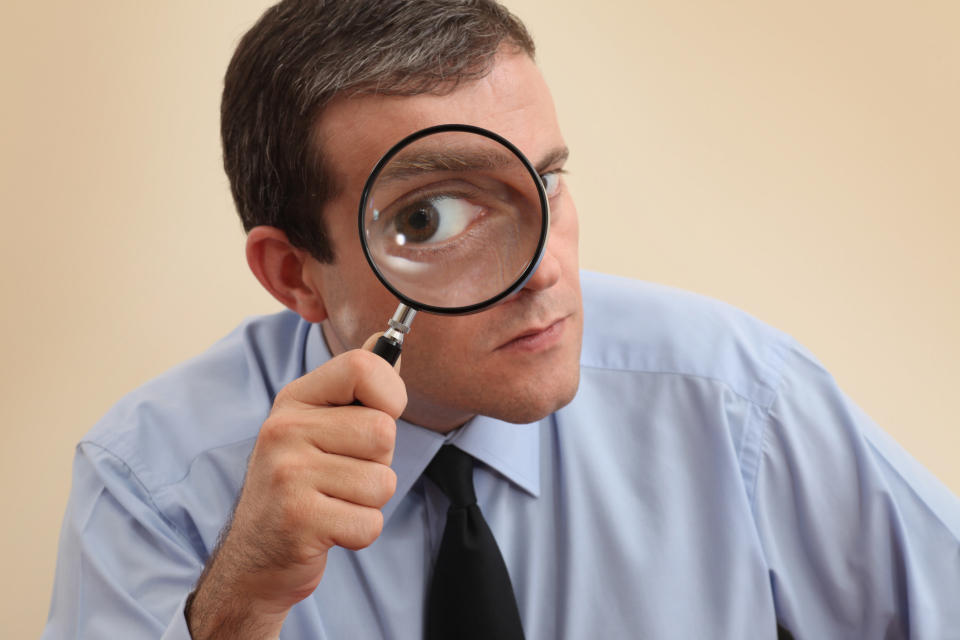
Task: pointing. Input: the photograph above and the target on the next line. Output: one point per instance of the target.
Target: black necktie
(471, 597)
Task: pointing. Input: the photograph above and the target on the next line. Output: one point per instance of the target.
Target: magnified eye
(434, 219)
(418, 223)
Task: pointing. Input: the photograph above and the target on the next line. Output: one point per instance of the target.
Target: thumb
(372, 340)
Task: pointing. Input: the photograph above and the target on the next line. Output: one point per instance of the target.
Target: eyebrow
(452, 159)
(554, 157)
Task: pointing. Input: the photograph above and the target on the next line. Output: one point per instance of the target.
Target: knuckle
(284, 473)
(283, 396)
(355, 527)
(367, 527)
(386, 485)
(288, 513)
(401, 398)
(382, 433)
(274, 429)
(360, 363)
(288, 394)
(378, 484)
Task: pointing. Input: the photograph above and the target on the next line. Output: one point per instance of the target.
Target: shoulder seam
(683, 374)
(150, 496)
(764, 424)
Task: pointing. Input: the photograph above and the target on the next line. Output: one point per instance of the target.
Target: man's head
(518, 361)
(301, 54)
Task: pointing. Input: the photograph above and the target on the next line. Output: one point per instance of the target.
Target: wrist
(215, 612)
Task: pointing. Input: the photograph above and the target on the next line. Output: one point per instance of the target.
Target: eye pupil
(418, 223)
(419, 219)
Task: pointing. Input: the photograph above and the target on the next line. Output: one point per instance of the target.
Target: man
(651, 464)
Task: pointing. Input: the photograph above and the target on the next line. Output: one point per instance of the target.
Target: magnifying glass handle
(388, 349)
(390, 344)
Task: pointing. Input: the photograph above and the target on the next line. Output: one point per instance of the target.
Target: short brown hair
(303, 53)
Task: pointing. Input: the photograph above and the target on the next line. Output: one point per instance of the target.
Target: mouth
(536, 338)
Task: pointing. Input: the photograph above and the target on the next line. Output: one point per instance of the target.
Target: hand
(318, 476)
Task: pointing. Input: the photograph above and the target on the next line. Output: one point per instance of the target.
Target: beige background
(799, 160)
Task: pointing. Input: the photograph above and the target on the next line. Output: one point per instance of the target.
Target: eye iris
(418, 223)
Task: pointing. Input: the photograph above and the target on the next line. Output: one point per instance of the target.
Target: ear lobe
(280, 267)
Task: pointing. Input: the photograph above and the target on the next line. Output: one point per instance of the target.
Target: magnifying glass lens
(452, 220)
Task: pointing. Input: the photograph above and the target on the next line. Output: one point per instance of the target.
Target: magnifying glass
(453, 219)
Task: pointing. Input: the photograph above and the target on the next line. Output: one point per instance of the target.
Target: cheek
(358, 306)
(444, 346)
(565, 232)
(438, 334)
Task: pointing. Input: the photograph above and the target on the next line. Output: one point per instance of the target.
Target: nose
(547, 273)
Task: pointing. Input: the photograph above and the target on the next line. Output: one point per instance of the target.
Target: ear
(282, 270)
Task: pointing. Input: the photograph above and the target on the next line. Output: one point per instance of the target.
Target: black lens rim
(544, 217)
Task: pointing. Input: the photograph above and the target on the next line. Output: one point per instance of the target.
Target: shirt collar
(511, 450)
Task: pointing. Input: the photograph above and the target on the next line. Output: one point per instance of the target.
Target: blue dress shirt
(708, 480)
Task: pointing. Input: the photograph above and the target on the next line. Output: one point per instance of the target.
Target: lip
(536, 338)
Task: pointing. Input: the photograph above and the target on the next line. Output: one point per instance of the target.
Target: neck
(428, 415)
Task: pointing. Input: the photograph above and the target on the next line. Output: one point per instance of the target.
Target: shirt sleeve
(123, 570)
(861, 541)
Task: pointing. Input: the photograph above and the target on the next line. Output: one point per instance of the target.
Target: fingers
(371, 341)
(353, 431)
(317, 477)
(354, 375)
(367, 434)
(291, 479)
(348, 525)
(360, 482)
(322, 500)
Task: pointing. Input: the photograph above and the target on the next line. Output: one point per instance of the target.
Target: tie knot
(452, 470)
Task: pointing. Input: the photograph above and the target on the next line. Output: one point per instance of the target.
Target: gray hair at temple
(303, 53)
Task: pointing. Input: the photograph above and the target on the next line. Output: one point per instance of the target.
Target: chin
(517, 389)
(533, 402)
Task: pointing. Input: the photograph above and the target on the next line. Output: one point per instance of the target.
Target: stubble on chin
(538, 403)
(524, 397)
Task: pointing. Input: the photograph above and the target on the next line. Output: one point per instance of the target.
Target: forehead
(512, 100)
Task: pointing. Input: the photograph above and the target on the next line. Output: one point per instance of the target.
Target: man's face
(517, 361)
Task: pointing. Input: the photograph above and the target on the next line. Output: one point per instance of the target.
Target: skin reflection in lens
(457, 251)
(479, 268)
